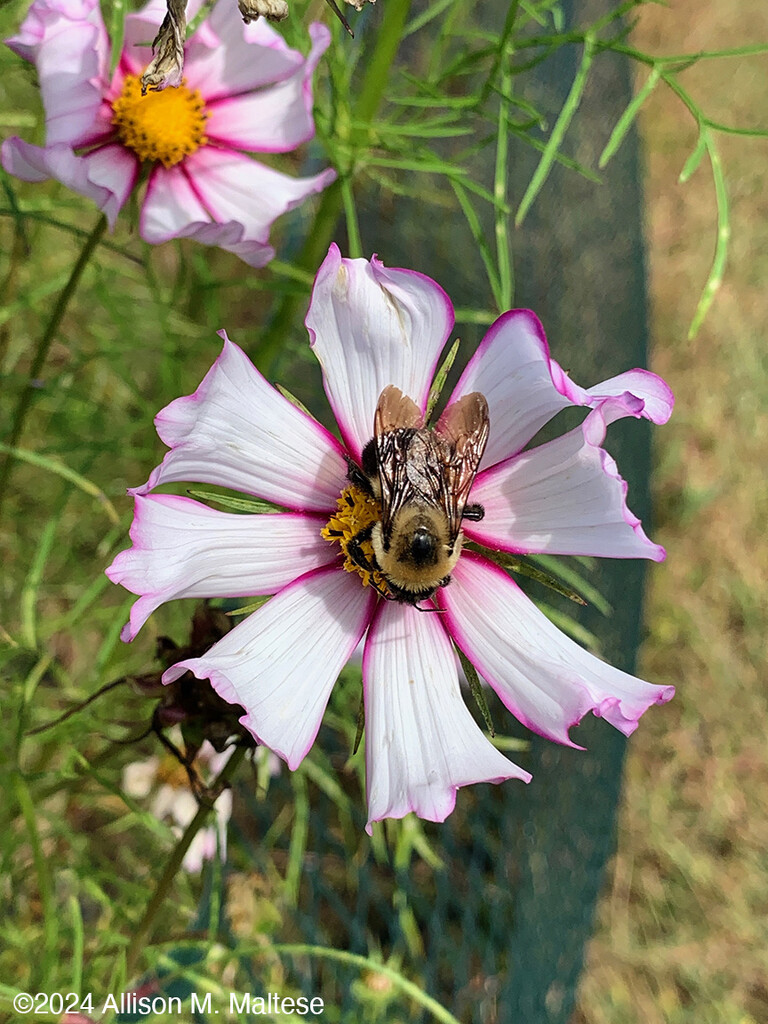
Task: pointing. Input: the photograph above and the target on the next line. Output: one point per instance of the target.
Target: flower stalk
(43, 347)
(503, 254)
(333, 201)
(162, 889)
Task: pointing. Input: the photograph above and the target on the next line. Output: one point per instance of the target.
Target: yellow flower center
(164, 126)
(356, 511)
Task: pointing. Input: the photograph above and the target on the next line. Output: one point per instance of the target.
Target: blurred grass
(683, 925)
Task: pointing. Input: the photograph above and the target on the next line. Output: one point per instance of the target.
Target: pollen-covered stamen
(164, 126)
(356, 513)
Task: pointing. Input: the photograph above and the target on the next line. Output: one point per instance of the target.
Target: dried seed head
(272, 10)
(167, 63)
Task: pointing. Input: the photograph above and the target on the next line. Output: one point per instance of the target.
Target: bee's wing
(395, 411)
(464, 426)
(398, 426)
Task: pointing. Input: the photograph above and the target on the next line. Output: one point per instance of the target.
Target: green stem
(321, 234)
(18, 252)
(44, 881)
(87, 768)
(353, 226)
(715, 278)
(387, 43)
(503, 258)
(564, 118)
(314, 249)
(43, 347)
(162, 890)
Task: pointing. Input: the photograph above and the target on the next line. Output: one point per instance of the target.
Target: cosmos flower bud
(167, 62)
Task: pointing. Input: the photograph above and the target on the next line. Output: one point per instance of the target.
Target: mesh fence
(504, 922)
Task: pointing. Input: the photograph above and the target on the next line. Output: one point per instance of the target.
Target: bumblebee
(421, 478)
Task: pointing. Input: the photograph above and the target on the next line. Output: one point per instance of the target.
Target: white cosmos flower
(371, 326)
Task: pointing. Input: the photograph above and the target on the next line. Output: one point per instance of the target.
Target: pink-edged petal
(281, 663)
(371, 326)
(233, 187)
(173, 209)
(102, 131)
(171, 206)
(545, 679)
(231, 238)
(239, 432)
(565, 497)
(655, 393)
(511, 367)
(525, 387)
(67, 42)
(225, 57)
(273, 120)
(106, 175)
(31, 33)
(182, 548)
(421, 742)
(226, 188)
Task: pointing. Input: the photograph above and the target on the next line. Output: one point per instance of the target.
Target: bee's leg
(473, 512)
(355, 549)
(359, 557)
(363, 478)
(356, 476)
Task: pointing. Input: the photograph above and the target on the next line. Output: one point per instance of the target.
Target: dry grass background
(683, 925)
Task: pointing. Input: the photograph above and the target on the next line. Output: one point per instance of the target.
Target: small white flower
(174, 802)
